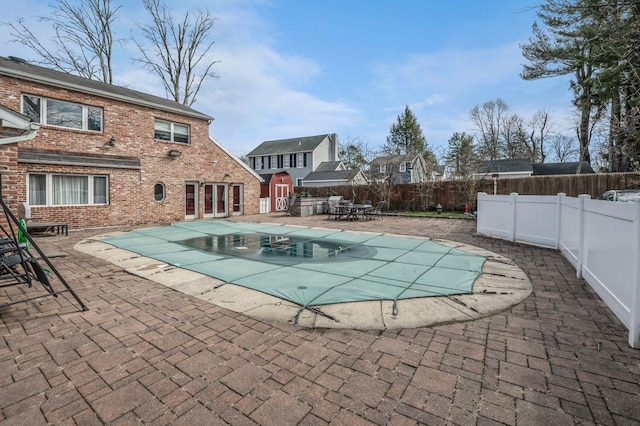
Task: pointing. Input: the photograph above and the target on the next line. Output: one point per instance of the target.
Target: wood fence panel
(408, 196)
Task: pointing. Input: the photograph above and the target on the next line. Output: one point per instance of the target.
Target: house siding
(131, 192)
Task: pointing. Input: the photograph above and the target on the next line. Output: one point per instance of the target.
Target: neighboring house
(276, 187)
(91, 154)
(397, 169)
(439, 173)
(511, 168)
(522, 167)
(570, 168)
(333, 173)
(298, 156)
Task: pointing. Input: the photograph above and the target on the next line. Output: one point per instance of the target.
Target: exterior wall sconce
(112, 141)
(174, 153)
(226, 175)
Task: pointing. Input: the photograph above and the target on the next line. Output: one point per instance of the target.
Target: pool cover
(309, 267)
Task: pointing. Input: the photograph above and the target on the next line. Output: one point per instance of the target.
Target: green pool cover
(309, 267)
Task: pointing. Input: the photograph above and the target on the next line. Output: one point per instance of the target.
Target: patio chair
(376, 211)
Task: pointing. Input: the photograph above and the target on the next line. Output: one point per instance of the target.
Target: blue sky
(301, 68)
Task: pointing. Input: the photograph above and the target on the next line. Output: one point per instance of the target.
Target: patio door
(191, 201)
(282, 192)
(237, 197)
(216, 200)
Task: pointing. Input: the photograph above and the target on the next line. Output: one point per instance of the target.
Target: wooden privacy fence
(449, 194)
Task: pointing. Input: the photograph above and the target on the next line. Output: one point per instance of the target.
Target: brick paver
(145, 353)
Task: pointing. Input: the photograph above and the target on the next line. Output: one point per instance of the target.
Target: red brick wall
(131, 192)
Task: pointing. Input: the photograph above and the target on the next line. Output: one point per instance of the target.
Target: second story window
(54, 112)
(383, 169)
(403, 167)
(300, 159)
(274, 161)
(286, 161)
(173, 132)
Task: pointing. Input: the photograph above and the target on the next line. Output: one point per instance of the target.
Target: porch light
(174, 153)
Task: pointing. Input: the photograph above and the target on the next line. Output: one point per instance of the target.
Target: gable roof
(236, 159)
(328, 166)
(288, 146)
(569, 168)
(395, 159)
(439, 169)
(19, 68)
(331, 175)
(517, 165)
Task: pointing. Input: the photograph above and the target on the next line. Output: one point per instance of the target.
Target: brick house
(92, 154)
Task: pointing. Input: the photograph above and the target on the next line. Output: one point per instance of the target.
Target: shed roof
(331, 175)
(569, 168)
(513, 165)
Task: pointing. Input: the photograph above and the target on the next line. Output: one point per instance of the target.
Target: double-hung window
(403, 167)
(383, 168)
(64, 190)
(274, 161)
(300, 160)
(173, 132)
(54, 112)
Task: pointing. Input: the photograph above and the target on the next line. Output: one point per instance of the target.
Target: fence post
(561, 196)
(634, 314)
(514, 200)
(581, 199)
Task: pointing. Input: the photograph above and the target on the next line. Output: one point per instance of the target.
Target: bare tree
(564, 148)
(489, 118)
(178, 51)
(536, 135)
(512, 136)
(83, 39)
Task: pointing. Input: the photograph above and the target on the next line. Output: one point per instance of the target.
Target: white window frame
(285, 161)
(300, 160)
(44, 118)
(258, 163)
(383, 168)
(274, 161)
(49, 189)
(403, 167)
(172, 132)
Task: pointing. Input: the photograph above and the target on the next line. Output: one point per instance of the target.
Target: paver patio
(145, 353)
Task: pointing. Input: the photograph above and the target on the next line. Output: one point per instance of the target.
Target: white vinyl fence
(601, 239)
(265, 205)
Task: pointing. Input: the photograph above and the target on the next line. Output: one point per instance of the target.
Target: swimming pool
(310, 267)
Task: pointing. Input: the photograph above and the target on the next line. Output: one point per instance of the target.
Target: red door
(191, 201)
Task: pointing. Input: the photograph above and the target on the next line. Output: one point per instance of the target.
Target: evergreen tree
(461, 157)
(405, 136)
